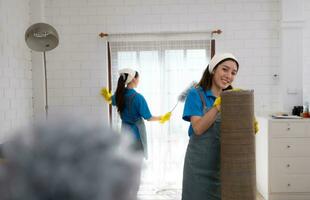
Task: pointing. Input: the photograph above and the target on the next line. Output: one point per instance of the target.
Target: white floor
(147, 192)
(154, 185)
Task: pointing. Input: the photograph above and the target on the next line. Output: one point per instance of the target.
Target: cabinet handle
(288, 146)
(288, 128)
(288, 165)
(288, 185)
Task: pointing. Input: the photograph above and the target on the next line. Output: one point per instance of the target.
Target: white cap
(131, 74)
(217, 58)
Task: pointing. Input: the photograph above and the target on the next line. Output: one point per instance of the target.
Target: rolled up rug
(238, 172)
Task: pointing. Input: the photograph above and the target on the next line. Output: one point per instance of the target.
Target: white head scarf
(217, 58)
(131, 74)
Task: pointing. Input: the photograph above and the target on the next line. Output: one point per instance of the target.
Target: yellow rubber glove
(236, 89)
(217, 103)
(165, 117)
(256, 126)
(106, 94)
(218, 100)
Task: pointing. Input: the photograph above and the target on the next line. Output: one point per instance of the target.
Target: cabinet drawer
(289, 129)
(298, 147)
(290, 183)
(289, 166)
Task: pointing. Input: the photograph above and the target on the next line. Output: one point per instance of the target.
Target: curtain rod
(218, 31)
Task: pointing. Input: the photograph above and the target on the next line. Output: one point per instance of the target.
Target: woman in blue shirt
(133, 108)
(201, 175)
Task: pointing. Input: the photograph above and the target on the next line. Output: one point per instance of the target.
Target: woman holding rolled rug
(132, 107)
(201, 175)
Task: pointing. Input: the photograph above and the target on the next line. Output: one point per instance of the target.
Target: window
(166, 68)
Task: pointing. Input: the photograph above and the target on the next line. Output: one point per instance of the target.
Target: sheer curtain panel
(166, 68)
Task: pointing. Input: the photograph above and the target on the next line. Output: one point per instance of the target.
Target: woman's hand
(106, 94)
(217, 103)
(256, 126)
(165, 117)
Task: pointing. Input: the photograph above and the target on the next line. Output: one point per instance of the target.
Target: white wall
(15, 66)
(291, 35)
(306, 72)
(76, 69)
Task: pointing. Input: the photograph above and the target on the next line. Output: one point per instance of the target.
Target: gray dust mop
(238, 175)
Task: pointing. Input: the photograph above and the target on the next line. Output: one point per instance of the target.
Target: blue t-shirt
(194, 107)
(135, 108)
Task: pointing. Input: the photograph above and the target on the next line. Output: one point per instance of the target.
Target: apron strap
(202, 100)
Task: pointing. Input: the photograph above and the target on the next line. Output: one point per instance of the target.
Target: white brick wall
(76, 68)
(250, 30)
(15, 67)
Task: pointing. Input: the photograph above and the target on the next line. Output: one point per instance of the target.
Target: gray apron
(140, 144)
(201, 174)
(143, 138)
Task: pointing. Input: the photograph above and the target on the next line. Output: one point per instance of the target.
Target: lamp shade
(41, 37)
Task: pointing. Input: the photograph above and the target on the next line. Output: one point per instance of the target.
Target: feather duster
(182, 96)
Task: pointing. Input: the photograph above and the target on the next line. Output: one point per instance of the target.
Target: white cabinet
(283, 159)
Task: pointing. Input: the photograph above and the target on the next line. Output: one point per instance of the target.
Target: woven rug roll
(238, 176)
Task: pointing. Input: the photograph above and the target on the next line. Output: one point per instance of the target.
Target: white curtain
(166, 68)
